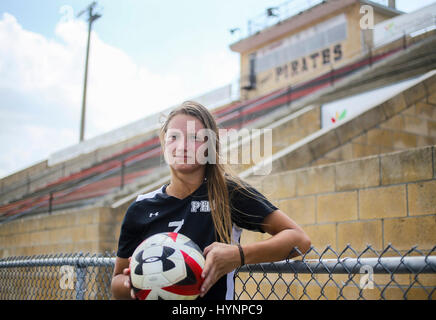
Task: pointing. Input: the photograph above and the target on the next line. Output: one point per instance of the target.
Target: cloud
(30, 143)
(41, 86)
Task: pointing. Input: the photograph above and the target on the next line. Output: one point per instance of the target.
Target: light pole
(91, 18)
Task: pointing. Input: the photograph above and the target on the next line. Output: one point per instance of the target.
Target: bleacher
(109, 176)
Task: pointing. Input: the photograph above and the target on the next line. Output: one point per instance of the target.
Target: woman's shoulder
(144, 200)
(238, 186)
(151, 195)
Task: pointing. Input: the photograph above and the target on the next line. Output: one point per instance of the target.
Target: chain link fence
(389, 274)
(75, 276)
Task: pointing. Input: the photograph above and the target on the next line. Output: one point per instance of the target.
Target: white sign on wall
(344, 109)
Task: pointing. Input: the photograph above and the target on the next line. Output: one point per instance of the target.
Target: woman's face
(184, 139)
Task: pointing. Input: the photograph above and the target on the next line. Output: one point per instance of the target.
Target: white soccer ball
(167, 266)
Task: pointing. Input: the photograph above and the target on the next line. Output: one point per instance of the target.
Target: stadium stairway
(308, 146)
(369, 180)
(357, 200)
(404, 120)
(137, 161)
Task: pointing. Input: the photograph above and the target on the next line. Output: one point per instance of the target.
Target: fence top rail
(77, 261)
(383, 265)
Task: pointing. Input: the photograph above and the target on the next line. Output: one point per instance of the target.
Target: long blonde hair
(217, 174)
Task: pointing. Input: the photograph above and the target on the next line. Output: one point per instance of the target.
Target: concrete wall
(284, 132)
(86, 230)
(364, 132)
(378, 200)
(411, 128)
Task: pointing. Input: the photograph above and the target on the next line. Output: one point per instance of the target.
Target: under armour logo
(167, 264)
(154, 214)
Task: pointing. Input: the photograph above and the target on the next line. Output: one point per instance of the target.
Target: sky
(145, 56)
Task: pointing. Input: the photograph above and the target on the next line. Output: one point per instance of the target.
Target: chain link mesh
(347, 275)
(326, 274)
(75, 276)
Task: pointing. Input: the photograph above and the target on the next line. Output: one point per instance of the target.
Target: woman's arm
(286, 235)
(120, 286)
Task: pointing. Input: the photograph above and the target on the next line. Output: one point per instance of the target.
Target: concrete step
(377, 200)
(416, 130)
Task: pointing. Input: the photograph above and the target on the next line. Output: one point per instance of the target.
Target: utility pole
(91, 18)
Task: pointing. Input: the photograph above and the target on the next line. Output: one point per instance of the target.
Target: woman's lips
(184, 158)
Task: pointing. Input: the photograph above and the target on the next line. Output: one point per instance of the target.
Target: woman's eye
(171, 137)
(197, 138)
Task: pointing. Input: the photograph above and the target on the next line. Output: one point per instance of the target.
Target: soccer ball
(167, 266)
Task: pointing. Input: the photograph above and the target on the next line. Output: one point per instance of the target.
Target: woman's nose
(181, 145)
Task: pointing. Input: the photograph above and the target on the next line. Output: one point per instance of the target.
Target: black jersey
(157, 212)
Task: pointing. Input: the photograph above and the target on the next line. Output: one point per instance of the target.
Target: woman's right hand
(127, 283)
(121, 286)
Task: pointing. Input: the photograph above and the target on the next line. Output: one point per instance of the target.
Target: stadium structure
(347, 89)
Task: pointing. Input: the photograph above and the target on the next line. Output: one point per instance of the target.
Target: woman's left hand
(221, 259)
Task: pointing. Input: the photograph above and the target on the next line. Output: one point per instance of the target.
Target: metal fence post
(123, 167)
(50, 202)
(80, 283)
(404, 40)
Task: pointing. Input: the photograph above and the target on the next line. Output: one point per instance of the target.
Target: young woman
(209, 205)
